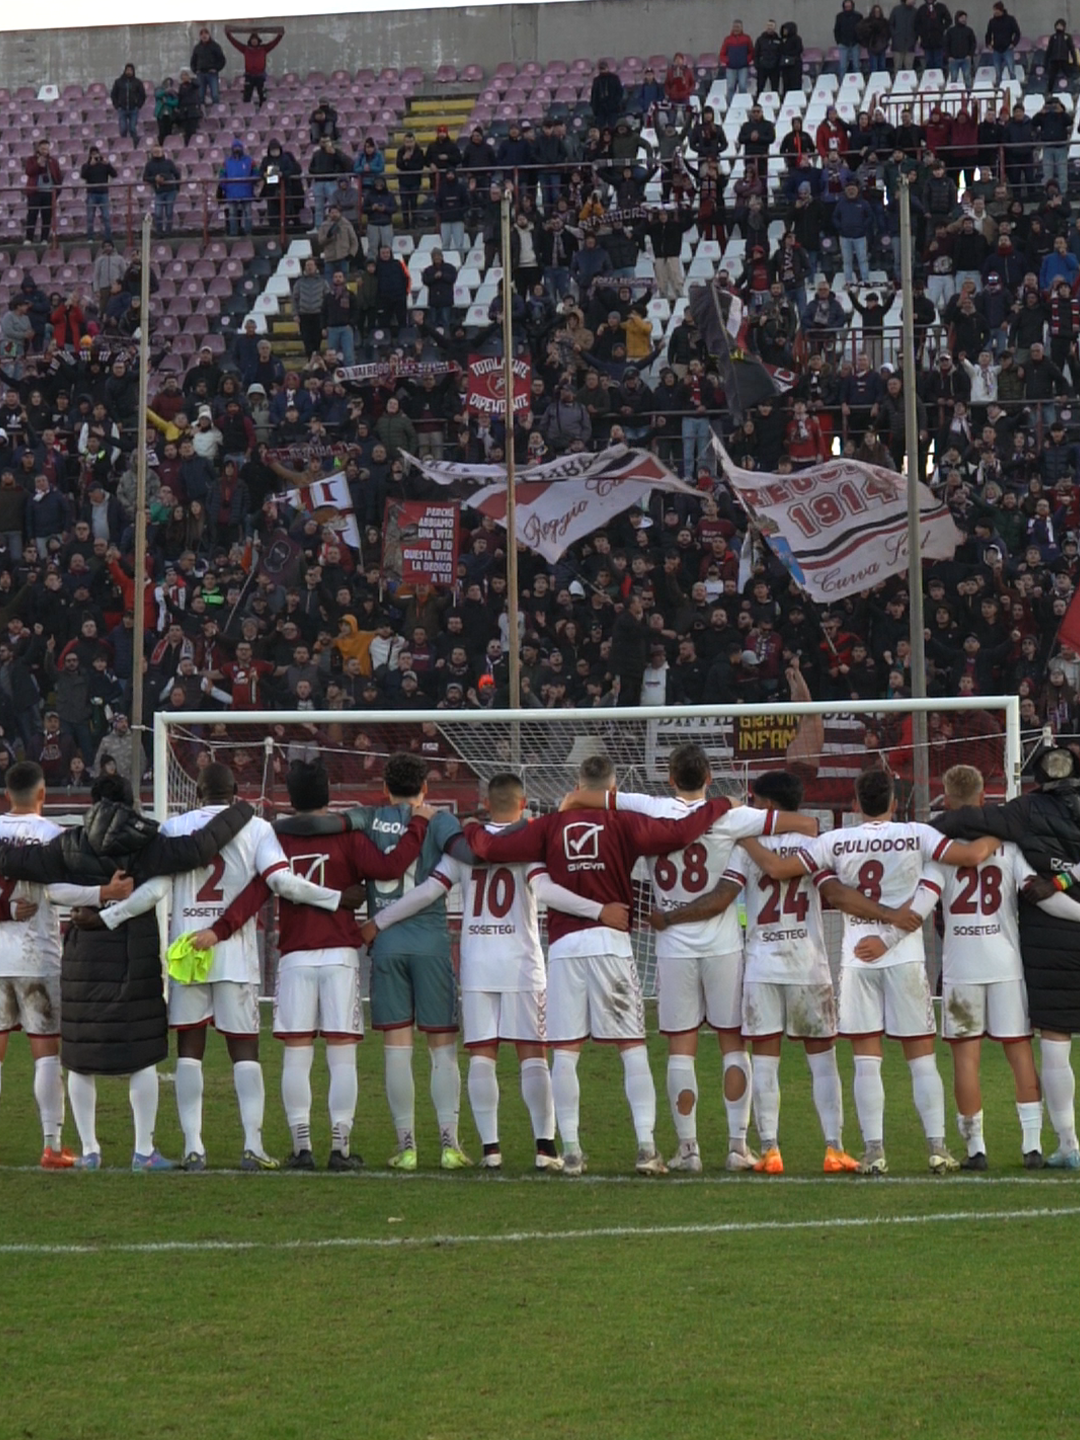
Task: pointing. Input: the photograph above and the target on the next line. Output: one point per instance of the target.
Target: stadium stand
(634, 179)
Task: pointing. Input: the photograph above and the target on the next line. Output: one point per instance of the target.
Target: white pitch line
(525, 1237)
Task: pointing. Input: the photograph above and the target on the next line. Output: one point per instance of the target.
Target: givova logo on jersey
(581, 845)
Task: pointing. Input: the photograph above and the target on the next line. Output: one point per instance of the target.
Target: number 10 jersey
(687, 874)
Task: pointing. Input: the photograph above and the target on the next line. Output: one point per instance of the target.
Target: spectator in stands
(679, 87)
(281, 186)
(791, 61)
(961, 48)
(308, 298)
(163, 177)
(207, 63)
(326, 166)
(341, 315)
(338, 242)
(1002, 36)
(451, 205)
(323, 123)
(735, 56)
(442, 155)
(1061, 58)
(188, 105)
(43, 180)
(369, 164)
(379, 215)
(1051, 127)
(550, 151)
(128, 96)
(237, 177)
(903, 22)
(410, 167)
(440, 277)
(606, 95)
(392, 288)
(845, 33)
(767, 59)
(931, 23)
(255, 49)
(95, 175)
(166, 101)
(874, 33)
(1018, 138)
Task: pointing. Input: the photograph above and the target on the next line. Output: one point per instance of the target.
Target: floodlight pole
(139, 634)
(920, 752)
(513, 640)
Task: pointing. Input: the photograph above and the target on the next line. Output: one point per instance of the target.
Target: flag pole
(513, 641)
(921, 755)
(139, 634)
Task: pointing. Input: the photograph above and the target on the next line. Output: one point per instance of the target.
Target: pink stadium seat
(507, 70)
(445, 75)
(582, 67)
(414, 76)
(658, 63)
(166, 288)
(220, 286)
(188, 251)
(472, 74)
(216, 344)
(196, 324)
(243, 250)
(390, 74)
(532, 67)
(184, 344)
(365, 77)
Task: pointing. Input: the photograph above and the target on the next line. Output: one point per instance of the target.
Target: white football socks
(971, 1131)
(1030, 1114)
(539, 1101)
(446, 1092)
(566, 1096)
(683, 1095)
(738, 1111)
(189, 1103)
(401, 1093)
(143, 1097)
(828, 1095)
(870, 1100)
(766, 1098)
(82, 1092)
(929, 1095)
(1059, 1090)
(296, 1065)
(251, 1096)
(49, 1094)
(484, 1098)
(344, 1090)
(641, 1094)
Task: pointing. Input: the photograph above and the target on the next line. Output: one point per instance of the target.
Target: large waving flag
(723, 324)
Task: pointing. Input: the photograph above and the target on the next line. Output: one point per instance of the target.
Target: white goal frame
(164, 721)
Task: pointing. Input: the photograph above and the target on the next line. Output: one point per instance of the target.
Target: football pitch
(466, 1305)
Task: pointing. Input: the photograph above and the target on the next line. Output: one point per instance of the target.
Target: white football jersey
(685, 875)
(500, 932)
(981, 915)
(885, 860)
(31, 947)
(199, 897)
(785, 935)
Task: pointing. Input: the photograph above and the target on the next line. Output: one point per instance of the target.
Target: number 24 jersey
(687, 874)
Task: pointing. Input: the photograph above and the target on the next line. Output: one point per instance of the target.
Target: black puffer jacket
(1046, 827)
(112, 1002)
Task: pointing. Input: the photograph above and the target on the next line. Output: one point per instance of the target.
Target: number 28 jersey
(979, 907)
(884, 859)
(683, 876)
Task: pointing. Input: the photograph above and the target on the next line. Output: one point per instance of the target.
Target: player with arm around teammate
(787, 986)
(229, 996)
(30, 954)
(699, 966)
(412, 978)
(318, 979)
(502, 976)
(593, 985)
(982, 977)
(884, 860)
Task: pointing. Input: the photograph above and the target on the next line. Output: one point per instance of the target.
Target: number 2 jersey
(980, 912)
(884, 859)
(686, 874)
(785, 936)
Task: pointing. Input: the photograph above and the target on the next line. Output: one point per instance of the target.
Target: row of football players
(579, 864)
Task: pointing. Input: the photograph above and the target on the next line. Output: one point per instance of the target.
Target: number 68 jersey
(686, 875)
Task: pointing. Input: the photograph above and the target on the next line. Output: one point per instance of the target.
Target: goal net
(826, 744)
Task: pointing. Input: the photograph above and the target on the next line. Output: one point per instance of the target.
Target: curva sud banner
(841, 527)
(487, 385)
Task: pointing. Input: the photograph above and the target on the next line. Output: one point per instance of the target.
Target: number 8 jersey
(883, 859)
(687, 874)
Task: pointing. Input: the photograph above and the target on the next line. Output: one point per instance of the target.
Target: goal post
(826, 743)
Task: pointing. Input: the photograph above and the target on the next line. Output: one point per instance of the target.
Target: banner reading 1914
(420, 541)
(487, 385)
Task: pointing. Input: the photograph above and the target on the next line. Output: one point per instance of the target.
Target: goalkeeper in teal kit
(412, 979)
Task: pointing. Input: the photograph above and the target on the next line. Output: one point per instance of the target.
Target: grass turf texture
(522, 1325)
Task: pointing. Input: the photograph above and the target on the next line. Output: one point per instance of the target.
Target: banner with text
(841, 528)
(487, 385)
(420, 541)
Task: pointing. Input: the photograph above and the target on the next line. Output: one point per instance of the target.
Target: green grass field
(281, 1306)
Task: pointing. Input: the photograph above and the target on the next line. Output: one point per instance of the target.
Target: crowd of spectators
(252, 601)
